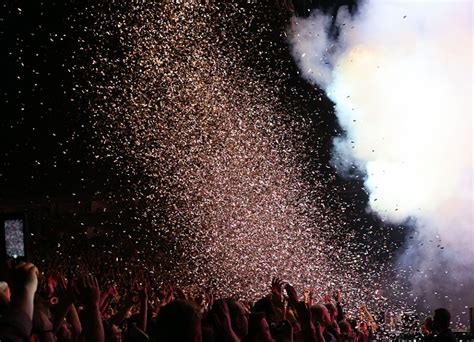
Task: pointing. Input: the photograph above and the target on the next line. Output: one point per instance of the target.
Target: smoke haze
(400, 75)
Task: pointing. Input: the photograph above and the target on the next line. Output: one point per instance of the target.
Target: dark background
(49, 157)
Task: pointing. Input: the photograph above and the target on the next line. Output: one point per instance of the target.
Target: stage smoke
(400, 75)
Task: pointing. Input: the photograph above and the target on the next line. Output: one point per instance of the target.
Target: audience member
(68, 303)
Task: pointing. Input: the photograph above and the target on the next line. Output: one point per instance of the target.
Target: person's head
(320, 315)
(332, 311)
(427, 326)
(441, 319)
(346, 328)
(238, 317)
(4, 293)
(266, 306)
(258, 330)
(179, 320)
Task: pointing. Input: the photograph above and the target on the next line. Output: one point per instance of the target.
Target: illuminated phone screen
(14, 238)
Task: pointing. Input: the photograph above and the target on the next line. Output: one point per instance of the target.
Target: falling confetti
(222, 175)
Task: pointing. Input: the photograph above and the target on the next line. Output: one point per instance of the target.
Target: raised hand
(25, 277)
(276, 288)
(200, 300)
(65, 289)
(89, 291)
(291, 293)
(209, 299)
(180, 293)
(167, 295)
(112, 290)
(25, 283)
(326, 298)
(338, 296)
(66, 293)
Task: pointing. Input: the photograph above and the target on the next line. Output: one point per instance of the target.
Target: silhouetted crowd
(49, 306)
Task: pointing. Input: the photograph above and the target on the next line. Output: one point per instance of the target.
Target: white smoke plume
(400, 75)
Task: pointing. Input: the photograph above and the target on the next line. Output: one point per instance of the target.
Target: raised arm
(17, 324)
(338, 299)
(89, 291)
(143, 298)
(25, 283)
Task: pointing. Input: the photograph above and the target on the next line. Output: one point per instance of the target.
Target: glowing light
(400, 75)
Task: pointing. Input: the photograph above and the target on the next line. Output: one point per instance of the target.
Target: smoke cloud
(400, 75)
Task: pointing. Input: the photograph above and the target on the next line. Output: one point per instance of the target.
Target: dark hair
(254, 325)
(441, 319)
(317, 312)
(331, 308)
(345, 327)
(266, 306)
(178, 321)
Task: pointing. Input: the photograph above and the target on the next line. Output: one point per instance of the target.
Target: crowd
(50, 306)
